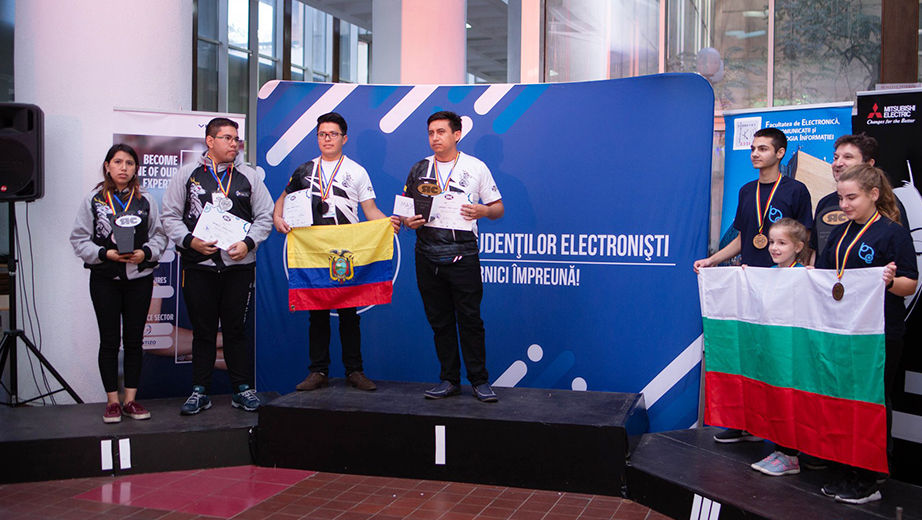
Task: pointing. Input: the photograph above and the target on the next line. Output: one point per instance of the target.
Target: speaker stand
(11, 337)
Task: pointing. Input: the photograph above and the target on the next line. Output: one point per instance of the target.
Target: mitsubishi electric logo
(892, 114)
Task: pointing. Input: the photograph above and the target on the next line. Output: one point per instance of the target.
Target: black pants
(121, 313)
(211, 296)
(349, 335)
(451, 295)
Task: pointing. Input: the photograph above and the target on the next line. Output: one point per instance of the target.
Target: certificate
(226, 228)
(404, 206)
(297, 210)
(446, 212)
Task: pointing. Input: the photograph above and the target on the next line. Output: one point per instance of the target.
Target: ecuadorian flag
(336, 267)
(787, 362)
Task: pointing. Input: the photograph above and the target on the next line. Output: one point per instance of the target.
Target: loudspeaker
(22, 155)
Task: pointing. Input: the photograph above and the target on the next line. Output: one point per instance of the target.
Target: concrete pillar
(77, 61)
(525, 37)
(419, 42)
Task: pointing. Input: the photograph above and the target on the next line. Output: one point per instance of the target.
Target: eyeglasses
(323, 136)
(229, 139)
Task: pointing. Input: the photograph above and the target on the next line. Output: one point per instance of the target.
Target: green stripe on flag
(834, 365)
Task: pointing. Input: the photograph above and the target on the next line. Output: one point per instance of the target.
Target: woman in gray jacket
(121, 284)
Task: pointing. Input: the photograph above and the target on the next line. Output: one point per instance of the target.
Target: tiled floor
(253, 493)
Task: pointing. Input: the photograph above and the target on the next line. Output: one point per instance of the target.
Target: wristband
(890, 285)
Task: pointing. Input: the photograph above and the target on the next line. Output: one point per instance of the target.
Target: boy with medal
(216, 283)
(447, 261)
(338, 187)
(762, 202)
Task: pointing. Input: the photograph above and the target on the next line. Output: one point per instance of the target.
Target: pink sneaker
(780, 465)
(113, 413)
(134, 410)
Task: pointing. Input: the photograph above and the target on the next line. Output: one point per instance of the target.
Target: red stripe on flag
(340, 297)
(842, 430)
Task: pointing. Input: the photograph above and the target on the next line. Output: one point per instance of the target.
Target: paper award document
(297, 209)
(404, 206)
(446, 212)
(214, 224)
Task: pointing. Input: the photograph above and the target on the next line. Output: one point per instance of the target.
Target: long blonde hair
(868, 178)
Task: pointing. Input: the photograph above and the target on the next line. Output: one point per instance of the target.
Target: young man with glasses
(338, 186)
(447, 261)
(216, 283)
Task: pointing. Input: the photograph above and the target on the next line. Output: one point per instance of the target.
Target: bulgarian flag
(787, 362)
(336, 267)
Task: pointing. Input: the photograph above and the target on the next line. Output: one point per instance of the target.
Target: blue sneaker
(246, 398)
(196, 402)
(445, 389)
(780, 465)
(485, 393)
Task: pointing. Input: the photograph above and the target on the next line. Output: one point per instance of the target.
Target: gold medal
(838, 291)
(760, 241)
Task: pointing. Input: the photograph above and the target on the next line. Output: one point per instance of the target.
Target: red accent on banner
(850, 432)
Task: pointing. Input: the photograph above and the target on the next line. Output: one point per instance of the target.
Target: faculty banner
(788, 362)
(588, 280)
(811, 131)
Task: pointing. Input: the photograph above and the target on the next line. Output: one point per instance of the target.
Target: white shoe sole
(873, 497)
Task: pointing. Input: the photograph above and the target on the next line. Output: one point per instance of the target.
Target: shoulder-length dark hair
(107, 183)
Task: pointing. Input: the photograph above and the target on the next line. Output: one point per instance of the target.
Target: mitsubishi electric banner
(165, 142)
(811, 130)
(588, 281)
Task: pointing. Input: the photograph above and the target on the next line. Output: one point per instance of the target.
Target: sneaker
(764, 462)
(860, 491)
(814, 463)
(113, 413)
(358, 380)
(733, 435)
(134, 410)
(834, 488)
(196, 402)
(484, 393)
(246, 398)
(444, 389)
(314, 381)
(781, 465)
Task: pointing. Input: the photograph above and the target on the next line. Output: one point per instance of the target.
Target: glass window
(266, 32)
(206, 94)
(825, 51)
(321, 45)
(590, 40)
(726, 41)
(208, 19)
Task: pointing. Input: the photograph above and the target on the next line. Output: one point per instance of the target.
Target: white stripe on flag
(795, 297)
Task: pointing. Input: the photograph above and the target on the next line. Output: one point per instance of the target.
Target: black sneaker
(834, 488)
(814, 463)
(861, 491)
(196, 402)
(444, 389)
(734, 435)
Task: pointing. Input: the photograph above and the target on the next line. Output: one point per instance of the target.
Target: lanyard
(841, 270)
(760, 215)
(438, 175)
(214, 173)
(110, 198)
(325, 190)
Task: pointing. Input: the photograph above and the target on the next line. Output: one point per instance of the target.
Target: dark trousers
(349, 335)
(211, 296)
(121, 313)
(451, 295)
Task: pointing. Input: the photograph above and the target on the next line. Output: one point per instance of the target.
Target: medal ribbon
(214, 173)
(110, 198)
(841, 270)
(762, 214)
(325, 190)
(438, 176)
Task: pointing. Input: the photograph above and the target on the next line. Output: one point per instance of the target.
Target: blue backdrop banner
(588, 283)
